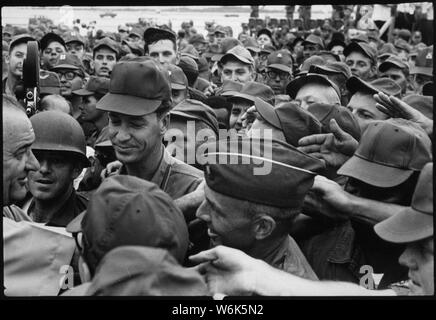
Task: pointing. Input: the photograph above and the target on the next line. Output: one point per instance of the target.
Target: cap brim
(242, 96)
(281, 67)
(355, 84)
(254, 49)
(406, 226)
(374, 174)
(83, 92)
(65, 66)
(229, 93)
(242, 59)
(76, 224)
(388, 64)
(50, 90)
(267, 112)
(178, 86)
(422, 70)
(126, 104)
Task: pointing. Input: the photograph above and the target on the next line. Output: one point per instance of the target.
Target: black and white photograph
(215, 152)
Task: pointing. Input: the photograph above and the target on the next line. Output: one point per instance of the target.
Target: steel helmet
(58, 131)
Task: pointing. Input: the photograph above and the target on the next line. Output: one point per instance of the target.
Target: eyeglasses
(69, 75)
(282, 75)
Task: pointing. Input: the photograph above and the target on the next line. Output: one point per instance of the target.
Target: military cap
(312, 60)
(203, 65)
(281, 60)
(70, 61)
(267, 172)
(108, 43)
(424, 62)
(240, 53)
(73, 37)
(252, 90)
(144, 271)
(389, 152)
(134, 47)
(135, 33)
(177, 77)
(336, 42)
(295, 85)
(363, 48)
(264, 31)
(251, 44)
(197, 38)
(190, 51)
(226, 44)
(49, 38)
(345, 119)
(193, 109)
(136, 88)
(385, 85)
(126, 210)
(401, 44)
(361, 37)
(21, 38)
(387, 49)
(122, 27)
(220, 29)
(331, 68)
(49, 82)
(324, 53)
(188, 64)
(393, 61)
(413, 223)
(422, 103)
(313, 39)
(229, 88)
(267, 49)
(95, 85)
(294, 121)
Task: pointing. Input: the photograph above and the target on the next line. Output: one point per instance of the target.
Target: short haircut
(55, 102)
(157, 38)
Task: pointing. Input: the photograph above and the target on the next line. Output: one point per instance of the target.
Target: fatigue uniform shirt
(72, 207)
(289, 258)
(174, 176)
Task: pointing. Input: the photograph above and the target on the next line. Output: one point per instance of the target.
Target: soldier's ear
(77, 170)
(263, 226)
(164, 123)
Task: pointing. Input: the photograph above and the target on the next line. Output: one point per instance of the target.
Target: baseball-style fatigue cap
(385, 85)
(73, 37)
(190, 51)
(330, 68)
(251, 44)
(178, 79)
(313, 39)
(393, 61)
(363, 48)
(225, 46)
(229, 88)
(281, 60)
(389, 152)
(240, 53)
(144, 271)
(267, 49)
(386, 51)
(336, 42)
(264, 31)
(188, 64)
(424, 62)
(402, 44)
(49, 82)
(135, 47)
(345, 119)
(70, 61)
(108, 43)
(197, 38)
(126, 210)
(415, 222)
(246, 178)
(325, 54)
(423, 104)
(99, 85)
(50, 37)
(220, 29)
(136, 88)
(360, 38)
(196, 110)
(294, 121)
(309, 62)
(21, 38)
(295, 85)
(252, 90)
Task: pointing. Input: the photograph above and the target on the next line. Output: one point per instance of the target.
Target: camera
(31, 78)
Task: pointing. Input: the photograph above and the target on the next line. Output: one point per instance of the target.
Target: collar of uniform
(289, 258)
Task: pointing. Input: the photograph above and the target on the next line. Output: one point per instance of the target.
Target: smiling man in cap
(253, 212)
(237, 65)
(312, 88)
(52, 47)
(138, 102)
(362, 103)
(397, 70)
